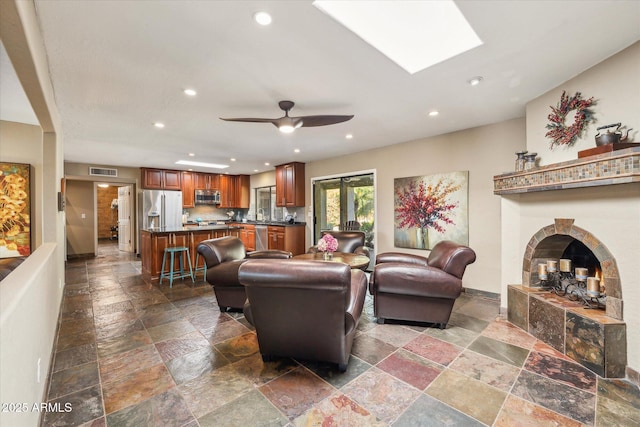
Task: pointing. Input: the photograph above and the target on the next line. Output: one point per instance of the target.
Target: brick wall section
(107, 217)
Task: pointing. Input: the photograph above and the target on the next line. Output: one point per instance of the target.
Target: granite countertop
(192, 228)
(240, 223)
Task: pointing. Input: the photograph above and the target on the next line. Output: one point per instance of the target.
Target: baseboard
(483, 294)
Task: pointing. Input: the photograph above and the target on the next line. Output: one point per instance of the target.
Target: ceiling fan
(288, 124)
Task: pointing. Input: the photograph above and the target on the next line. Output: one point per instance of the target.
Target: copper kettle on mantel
(611, 137)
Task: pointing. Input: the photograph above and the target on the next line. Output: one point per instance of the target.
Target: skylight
(413, 34)
(201, 164)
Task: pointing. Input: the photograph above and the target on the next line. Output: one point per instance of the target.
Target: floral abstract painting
(428, 209)
(15, 210)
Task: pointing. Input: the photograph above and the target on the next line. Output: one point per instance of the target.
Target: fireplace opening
(581, 256)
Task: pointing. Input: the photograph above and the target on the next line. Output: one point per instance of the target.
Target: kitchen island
(153, 241)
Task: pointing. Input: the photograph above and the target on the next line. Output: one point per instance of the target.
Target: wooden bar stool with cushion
(172, 274)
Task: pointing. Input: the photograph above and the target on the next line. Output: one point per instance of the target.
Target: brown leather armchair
(223, 257)
(348, 241)
(414, 288)
(303, 309)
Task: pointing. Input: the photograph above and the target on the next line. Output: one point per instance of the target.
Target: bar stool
(172, 251)
(203, 268)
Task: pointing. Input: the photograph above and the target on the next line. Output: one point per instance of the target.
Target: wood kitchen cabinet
(206, 181)
(276, 237)
(246, 233)
(234, 191)
(161, 179)
(287, 238)
(290, 185)
(188, 191)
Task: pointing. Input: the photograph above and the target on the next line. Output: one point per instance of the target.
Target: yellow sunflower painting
(15, 210)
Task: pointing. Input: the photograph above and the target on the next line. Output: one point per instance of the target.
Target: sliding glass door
(345, 203)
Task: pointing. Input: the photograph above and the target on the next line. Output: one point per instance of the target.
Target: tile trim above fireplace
(617, 167)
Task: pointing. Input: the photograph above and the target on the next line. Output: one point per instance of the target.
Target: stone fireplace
(592, 337)
(586, 210)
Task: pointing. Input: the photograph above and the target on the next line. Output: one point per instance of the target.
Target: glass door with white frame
(346, 202)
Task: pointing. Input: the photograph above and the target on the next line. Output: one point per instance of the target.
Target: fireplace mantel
(616, 167)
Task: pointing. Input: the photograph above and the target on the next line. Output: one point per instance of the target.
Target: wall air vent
(103, 172)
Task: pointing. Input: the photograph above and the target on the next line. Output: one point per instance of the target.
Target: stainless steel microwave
(207, 197)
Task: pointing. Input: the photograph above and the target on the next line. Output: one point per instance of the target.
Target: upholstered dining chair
(414, 288)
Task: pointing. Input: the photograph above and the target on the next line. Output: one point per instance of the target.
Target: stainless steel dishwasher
(262, 238)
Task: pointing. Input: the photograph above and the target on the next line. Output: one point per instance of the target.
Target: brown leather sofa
(348, 241)
(306, 310)
(414, 288)
(223, 257)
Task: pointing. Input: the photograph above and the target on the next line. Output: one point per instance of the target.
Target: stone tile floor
(133, 354)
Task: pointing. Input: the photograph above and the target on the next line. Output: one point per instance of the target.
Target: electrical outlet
(83, 216)
(38, 370)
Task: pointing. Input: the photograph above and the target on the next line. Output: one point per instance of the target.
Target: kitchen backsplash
(210, 213)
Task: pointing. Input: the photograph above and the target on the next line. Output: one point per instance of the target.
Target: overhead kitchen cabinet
(188, 193)
(290, 185)
(207, 181)
(161, 179)
(234, 191)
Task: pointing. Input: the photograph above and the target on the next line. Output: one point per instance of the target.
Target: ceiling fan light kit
(287, 124)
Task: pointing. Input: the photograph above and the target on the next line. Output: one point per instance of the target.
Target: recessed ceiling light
(413, 34)
(192, 154)
(349, 136)
(475, 81)
(159, 125)
(103, 185)
(255, 170)
(190, 92)
(262, 18)
(297, 150)
(190, 169)
(232, 159)
(433, 113)
(266, 163)
(201, 164)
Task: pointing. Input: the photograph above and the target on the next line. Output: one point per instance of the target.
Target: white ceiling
(119, 66)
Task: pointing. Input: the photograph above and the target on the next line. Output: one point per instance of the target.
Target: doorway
(114, 222)
(345, 202)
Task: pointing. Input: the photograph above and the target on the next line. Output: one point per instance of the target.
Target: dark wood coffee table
(352, 260)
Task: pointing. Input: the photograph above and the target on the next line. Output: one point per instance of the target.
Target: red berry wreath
(559, 133)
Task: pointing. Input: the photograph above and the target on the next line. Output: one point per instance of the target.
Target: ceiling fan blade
(250, 120)
(322, 120)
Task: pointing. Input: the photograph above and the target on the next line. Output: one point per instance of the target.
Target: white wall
(30, 296)
(483, 151)
(613, 83)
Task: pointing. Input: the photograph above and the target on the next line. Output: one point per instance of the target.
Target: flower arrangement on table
(426, 207)
(327, 245)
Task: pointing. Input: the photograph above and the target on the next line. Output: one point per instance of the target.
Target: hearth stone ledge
(589, 337)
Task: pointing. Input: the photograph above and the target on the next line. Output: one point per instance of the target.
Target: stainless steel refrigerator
(161, 209)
